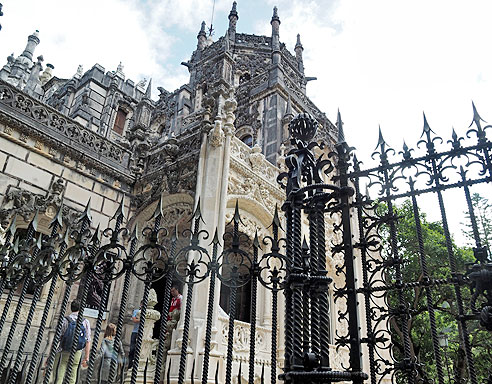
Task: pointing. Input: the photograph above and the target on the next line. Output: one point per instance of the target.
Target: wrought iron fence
(399, 289)
(323, 191)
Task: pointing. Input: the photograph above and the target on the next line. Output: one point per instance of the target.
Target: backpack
(66, 341)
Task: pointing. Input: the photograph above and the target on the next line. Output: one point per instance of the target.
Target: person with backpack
(106, 355)
(83, 341)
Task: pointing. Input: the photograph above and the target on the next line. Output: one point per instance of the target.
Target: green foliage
(443, 298)
(483, 212)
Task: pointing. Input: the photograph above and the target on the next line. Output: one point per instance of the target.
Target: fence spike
(95, 236)
(262, 380)
(58, 219)
(120, 211)
(12, 227)
(276, 218)
(134, 235)
(256, 240)
(158, 208)
(381, 143)
(87, 212)
(476, 117)
(239, 373)
(39, 241)
(197, 214)
(237, 216)
(215, 240)
(34, 221)
(427, 129)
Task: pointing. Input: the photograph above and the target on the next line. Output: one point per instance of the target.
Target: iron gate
(323, 191)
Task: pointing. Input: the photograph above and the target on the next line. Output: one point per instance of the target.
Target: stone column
(148, 343)
(212, 179)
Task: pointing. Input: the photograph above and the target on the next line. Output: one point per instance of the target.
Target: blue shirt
(136, 312)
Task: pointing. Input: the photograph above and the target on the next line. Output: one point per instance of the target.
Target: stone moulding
(36, 119)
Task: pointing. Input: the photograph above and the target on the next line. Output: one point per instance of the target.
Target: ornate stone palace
(220, 138)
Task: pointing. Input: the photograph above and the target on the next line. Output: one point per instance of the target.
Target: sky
(381, 62)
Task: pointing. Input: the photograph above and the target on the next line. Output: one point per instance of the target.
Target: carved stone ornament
(216, 135)
(25, 203)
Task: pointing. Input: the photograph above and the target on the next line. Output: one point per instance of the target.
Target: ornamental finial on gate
(303, 128)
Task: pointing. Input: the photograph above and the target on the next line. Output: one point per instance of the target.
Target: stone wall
(34, 176)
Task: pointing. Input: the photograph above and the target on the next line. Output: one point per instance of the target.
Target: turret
(233, 17)
(22, 64)
(275, 37)
(47, 74)
(202, 38)
(32, 42)
(299, 48)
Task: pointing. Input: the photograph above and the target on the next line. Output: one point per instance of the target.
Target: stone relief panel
(25, 203)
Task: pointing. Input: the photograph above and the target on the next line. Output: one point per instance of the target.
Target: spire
(202, 37)
(233, 17)
(148, 92)
(275, 36)
(341, 135)
(298, 49)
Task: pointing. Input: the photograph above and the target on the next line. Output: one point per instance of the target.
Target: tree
(443, 298)
(482, 210)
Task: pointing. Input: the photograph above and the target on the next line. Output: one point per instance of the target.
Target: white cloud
(381, 62)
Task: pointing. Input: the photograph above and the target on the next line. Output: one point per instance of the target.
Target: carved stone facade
(99, 136)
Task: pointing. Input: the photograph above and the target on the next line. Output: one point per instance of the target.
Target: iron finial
(476, 116)
(95, 235)
(158, 208)
(34, 221)
(87, 212)
(120, 211)
(381, 142)
(305, 246)
(276, 218)
(39, 241)
(57, 220)
(303, 127)
(237, 217)
(197, 215)
(256, 240)
(134, 235)
(13, 226)
(215, 239)
(427, 128)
